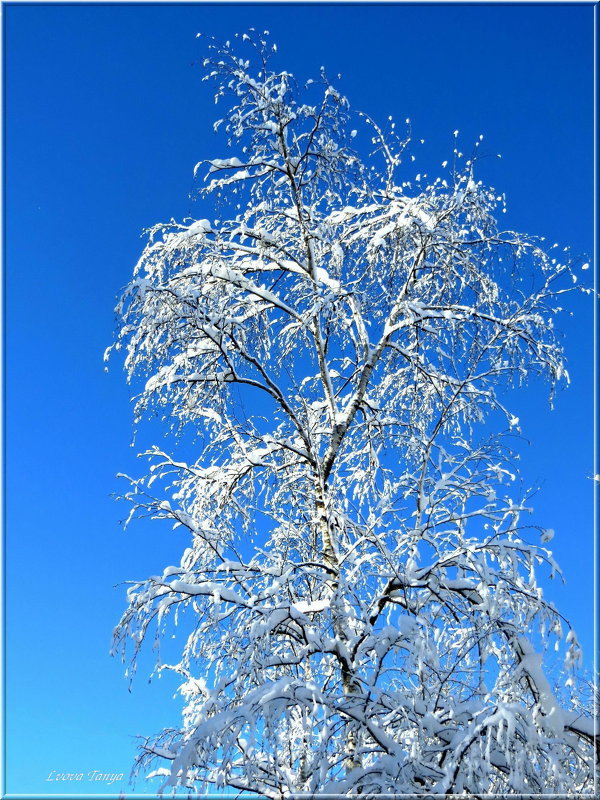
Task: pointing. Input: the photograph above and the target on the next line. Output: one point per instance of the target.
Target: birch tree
(358, 607)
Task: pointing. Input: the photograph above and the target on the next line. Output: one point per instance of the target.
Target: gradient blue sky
(105, 117)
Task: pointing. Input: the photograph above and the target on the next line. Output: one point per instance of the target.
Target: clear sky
(105, 117)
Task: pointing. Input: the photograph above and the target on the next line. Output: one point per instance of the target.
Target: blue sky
(105, 117)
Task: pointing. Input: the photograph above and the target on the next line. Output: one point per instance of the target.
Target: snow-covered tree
(358, 604)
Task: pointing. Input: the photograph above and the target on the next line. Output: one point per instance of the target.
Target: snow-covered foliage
(359, 590)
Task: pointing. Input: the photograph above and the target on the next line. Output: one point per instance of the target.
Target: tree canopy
(358, 604)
